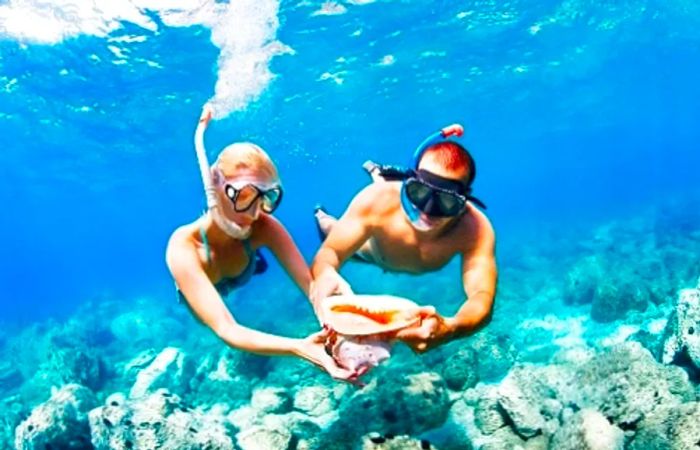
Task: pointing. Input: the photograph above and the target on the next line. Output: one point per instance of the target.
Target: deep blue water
(576, 112)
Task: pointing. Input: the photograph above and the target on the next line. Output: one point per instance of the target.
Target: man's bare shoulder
(481, 221)
(377, 198)
(475, 224)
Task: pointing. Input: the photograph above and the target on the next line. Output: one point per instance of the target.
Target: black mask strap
(395, 173)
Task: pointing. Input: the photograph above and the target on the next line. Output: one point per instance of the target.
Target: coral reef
(588, 430)
(681, 344)
(409, 404)
(60, 422)
(585, 351)
(460, 369)
(670, 427)
(169, 369)
(157, 421)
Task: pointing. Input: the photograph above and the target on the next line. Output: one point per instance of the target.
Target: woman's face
(238, 194)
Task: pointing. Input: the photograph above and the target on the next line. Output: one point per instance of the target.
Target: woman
(217, 252)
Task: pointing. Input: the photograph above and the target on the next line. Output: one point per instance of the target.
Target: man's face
(430, 164)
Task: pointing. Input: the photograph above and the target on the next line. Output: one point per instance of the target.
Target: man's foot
(373, 169)
(323, 221)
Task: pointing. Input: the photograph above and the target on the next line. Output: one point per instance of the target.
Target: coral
(409, 404)
(588, 430)
(676, 427)
(62, 366)
(391, 442)
(504, 439)
(61, 422)
(671, 427)
(613, 298)
(156, 421)
(262, 438)
(582, 280)
(459, 370)
(314, 400)
(651, 341)
(681, 343)
(521, 396)
(171, 369)
(498, 352)
(625, 383)
(12, 414)
(273, 400)
(260, 430)
(217, 381)
(489, 415)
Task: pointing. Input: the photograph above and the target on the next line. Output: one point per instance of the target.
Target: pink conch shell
(362, 326)
(364, 315)
(358, 354)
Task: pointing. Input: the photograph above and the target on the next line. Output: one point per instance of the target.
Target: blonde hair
(245, 155)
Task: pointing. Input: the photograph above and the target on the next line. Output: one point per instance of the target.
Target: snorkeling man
(416, 221)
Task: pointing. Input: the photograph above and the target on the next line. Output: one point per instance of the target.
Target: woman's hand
(313, 349)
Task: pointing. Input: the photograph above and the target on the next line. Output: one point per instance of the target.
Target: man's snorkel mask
(430, 194)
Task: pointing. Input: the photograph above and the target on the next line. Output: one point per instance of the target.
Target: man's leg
(324, 224)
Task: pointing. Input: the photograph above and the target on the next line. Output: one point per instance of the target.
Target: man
(415, 221)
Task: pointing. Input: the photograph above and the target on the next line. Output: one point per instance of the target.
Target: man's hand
(329, 283)
(313, 350)
(433, 330)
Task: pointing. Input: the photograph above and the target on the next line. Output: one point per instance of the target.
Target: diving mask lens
(418, 193)
(271, 199)
(432, 200)
(245, 196)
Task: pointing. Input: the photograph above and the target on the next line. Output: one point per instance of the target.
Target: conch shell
(362, 327)
(364, 315)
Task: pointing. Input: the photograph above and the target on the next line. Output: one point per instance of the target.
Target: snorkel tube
(227, 226)
(204, 169)
(451, 130)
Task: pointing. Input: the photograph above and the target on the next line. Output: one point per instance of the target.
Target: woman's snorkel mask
(428, 193)
(242, 193)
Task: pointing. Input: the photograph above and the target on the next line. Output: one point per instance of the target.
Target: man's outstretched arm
(345, 238)
(479, 276)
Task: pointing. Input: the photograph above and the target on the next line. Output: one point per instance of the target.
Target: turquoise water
(582, 117)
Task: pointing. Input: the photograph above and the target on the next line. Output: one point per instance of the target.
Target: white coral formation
(588, 430)
(683, 330)
(675, 427)
(314, 400)
(169, 370)
(156, 421)
(60, 422)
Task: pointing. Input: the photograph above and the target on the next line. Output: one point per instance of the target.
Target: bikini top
(256, 265)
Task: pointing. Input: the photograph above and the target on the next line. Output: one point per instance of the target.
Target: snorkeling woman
(218, 251)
